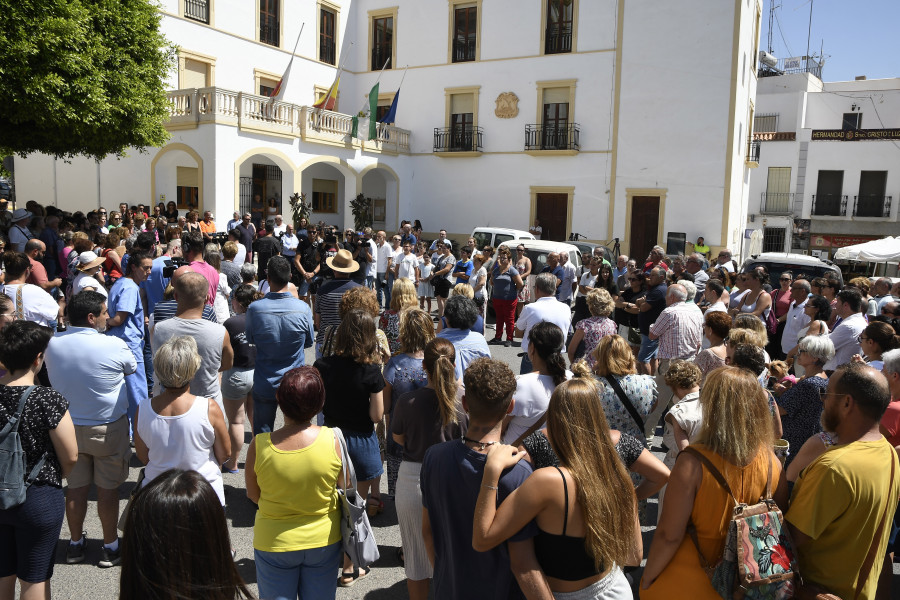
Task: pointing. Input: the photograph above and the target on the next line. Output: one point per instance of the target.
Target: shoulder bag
(626, 402)
(356, 531)
(14, 479)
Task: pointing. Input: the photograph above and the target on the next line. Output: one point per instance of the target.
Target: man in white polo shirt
(545, 308)
(89, 369)
(796, 318)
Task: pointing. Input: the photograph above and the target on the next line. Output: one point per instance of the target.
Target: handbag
(626, 402)
(357, 536)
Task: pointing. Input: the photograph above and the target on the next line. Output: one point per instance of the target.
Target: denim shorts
(364, 454)
(237, 382)
(648, 349)
(303, 288)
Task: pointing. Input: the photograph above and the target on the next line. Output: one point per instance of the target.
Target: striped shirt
(169, 308)
(680, 331)
(328, 302)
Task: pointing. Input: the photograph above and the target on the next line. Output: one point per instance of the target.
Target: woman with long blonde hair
(403, 295)
(423, 418)
(600, 532)
(736, 437)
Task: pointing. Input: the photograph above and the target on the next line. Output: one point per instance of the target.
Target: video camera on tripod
(172, 264)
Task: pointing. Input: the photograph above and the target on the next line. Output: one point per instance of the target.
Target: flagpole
(277, 91)
(378, 79)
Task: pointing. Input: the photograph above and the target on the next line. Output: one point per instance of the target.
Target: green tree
(82, 77)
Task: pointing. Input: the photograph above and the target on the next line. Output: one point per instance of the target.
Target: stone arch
(175, 147)
(279, 159)
(346, 189)
(392, 193)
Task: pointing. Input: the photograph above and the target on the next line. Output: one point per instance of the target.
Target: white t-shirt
(479, 277)
(532, 398)
(383, 253)
(407, 266)
(727, 266)
(372, 267)
(589, 281)
(569, 277)
(83, 281)
(38, 305)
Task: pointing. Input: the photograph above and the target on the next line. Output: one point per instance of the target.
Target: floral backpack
(758, 560)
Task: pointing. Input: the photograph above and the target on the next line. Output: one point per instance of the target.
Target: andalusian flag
(370, 117)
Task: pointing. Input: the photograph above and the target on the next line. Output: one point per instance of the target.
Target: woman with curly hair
(404, 373)
(583, 543)
(596, 327)
(736, 437)
(403, 295)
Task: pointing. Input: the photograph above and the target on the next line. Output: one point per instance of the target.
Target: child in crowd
(426, 290)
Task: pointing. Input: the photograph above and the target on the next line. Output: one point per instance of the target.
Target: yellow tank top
(298, 505)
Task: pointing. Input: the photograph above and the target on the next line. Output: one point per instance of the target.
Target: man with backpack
(842, 503)
(89, 369)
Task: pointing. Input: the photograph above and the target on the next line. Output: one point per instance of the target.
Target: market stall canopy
(883, 250)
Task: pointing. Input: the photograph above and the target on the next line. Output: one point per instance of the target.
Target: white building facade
(603, 118)
(829, 163)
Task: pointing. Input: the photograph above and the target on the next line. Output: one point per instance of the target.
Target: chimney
(860, 78)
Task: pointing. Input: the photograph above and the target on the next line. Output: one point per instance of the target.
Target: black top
(537, 445)
(417, 416)
(171, 217)
(266, 247)
(624, 317)
(656, 297)
(563, 556)
(43, 411)
(244, 352)
(347, 388)
(246, 236)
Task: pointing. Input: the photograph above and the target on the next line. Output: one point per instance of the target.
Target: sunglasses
(860, 338)
(785, 279)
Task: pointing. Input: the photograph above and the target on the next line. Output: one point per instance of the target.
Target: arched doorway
(176, 174)
(265, 183)
(329, 184)
(380, 183)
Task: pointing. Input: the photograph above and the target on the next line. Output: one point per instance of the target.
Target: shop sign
(852, 135)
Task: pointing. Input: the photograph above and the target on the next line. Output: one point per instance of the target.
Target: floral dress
(389, 323)
(595, 328)
(641, 390)
(803, 410)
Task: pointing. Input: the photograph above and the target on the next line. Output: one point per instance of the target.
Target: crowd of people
(156, 334)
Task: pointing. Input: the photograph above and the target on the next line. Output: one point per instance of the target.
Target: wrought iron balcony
(871, 205)
(776, 203)
(381, 55)
(269, 30)
(558, 39)
(458, 139)
(753, 147)
(829, 205)
(326, 51)
(463, 50)
(198, 10)
(552, 137)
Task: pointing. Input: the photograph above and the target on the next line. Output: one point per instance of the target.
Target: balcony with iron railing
(464, 50)
(197, 10)
(753, 147)
(776, 203)
(829, 205)
(269, 31)
(190, 108)
(552, 137)
(558, 39)
(872, 205)
(458, 139)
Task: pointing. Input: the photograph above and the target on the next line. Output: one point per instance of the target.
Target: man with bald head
(168, 308)
(213, 343)
(842, 503)
(35, 249)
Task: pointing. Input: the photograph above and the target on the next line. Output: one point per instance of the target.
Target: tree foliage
(82, 77)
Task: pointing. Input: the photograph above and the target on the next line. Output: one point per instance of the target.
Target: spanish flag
(329, 98)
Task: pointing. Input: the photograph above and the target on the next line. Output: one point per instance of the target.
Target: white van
(779, 262)
(494, 236)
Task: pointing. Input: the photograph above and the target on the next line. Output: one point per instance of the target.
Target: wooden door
(644, 226)
(553, 211)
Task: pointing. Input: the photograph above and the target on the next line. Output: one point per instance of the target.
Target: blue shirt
(559, 273)
(463, 266)
(281, 327)
(155, 285)
(469, 346)
(89, 369)
(504, 288)
(125, 296)
(450, 482)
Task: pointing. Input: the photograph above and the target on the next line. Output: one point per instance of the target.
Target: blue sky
(859, 36)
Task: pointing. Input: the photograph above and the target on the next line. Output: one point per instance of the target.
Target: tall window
(269, 29)
(462, 121)
(558, 35)
(197, 10)
(851, 121)
(465, 21)
(555, 119)
(324, 196)
(382, 42)
(267, 86)
(326, 36)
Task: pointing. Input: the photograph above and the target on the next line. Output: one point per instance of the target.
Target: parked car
(5, 189)
(779, 262)
(494, 236)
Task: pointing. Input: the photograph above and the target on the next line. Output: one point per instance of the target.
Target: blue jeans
(305, 574)
(370, 281)
(379, 289)
(648, 349)
(264, 415)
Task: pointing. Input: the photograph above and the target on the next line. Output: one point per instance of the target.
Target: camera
(172, 264)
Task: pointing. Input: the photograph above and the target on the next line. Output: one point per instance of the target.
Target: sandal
(374, 506)
(349, 579)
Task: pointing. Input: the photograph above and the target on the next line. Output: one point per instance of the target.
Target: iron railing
(871, 205)
(805, 64)
(458, 139)
(776, 203)
(464, 50)
(198, 10)
(829, 205)
(269, 30)
(552, 137)
(753, 147)
(381, 55)
(558, 39)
